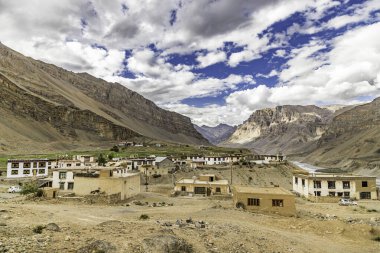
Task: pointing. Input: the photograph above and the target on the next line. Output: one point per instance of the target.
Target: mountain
(216, 134)
(352, 141)
(287, 129)
(44, 107)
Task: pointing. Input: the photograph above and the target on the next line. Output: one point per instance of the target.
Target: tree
(115, 149)
(110, 156)
(102, 160)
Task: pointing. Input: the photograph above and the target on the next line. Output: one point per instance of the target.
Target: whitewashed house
(19, 168)
(335, 185)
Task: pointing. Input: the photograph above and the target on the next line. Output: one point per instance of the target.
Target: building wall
(65, 181)
(126, 186)
(353, 192)
(154, 170)
(288, 208)
(36, 168)
(190, 188)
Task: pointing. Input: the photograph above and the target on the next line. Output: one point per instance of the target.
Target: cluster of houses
(121, 179)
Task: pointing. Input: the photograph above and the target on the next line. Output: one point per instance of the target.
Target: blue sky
(214, 61)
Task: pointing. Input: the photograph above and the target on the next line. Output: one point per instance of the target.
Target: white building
(29, 167)
(332, 185)
(215, 160)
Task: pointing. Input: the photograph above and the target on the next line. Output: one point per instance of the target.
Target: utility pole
(146, 180)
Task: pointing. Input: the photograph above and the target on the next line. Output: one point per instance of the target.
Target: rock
(97, 246)
(67, 238)
(2, 224)
(52, 227)
(164, 243)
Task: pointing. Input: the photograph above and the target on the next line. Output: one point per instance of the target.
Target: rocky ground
(155, 222)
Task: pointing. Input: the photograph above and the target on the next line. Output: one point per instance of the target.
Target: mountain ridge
(42, 85)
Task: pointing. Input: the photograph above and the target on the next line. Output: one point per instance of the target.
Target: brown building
(267, 200)
(105, 181)
(207, 184)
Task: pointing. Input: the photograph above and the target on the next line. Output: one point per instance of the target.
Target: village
(195, 188)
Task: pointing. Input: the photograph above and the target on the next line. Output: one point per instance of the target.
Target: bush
(38, 229)
(115, 149)
(376, 238)
(144, 217)
(28, 188)
(101, 160)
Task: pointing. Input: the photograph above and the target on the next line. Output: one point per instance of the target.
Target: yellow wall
(126, 186)
(288, 209)
(224, 189)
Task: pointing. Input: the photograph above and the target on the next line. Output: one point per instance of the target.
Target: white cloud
(361, 13)
(65, 32)
(211, 58)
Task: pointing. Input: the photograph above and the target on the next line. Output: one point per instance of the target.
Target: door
(365, 195)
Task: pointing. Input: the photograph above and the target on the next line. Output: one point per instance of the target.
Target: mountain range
(44, 107)
(217, 134)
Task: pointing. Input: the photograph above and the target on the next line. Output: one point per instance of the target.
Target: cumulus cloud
(211, 58)
(92, 36)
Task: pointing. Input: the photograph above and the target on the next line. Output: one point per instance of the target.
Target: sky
(215, 61)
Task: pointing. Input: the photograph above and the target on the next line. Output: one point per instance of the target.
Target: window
(317, 193)
(340, 194)
(331, 194)
(27, 165)
(14, 172)
(278, 202)
(15, 165)
(296, 180)
(217, 190)
(41, 171)
(26, 172)
(331, 184)
(62, 186)
(303, 182)
(346, 184)
(42, 164)
(78, 164)
(68, 165)
(62, 175)
(317, 184)
(346, 194)
(364, 184)
(70, 186)
(183, 188)
(253, 202)
(365, 195)
(200, 190)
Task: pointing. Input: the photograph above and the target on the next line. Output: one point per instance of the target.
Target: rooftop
(262, 190)
(327, 175)
(197, 181)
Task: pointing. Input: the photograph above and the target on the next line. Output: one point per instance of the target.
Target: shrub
(144, 217)
(376, 238)
(115, 149)
(38, 229)
(28, 188)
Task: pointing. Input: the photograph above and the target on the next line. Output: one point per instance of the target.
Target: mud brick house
(275, 200)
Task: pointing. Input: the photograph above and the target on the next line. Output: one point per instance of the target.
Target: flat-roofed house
(266, 199)
(19, 168)
(335, 185)
(83, 181)
(206, 184)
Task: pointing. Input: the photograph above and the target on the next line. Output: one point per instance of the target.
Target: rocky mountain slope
(288, 129)
(352, 141)
(216, 134)
(46, 107)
